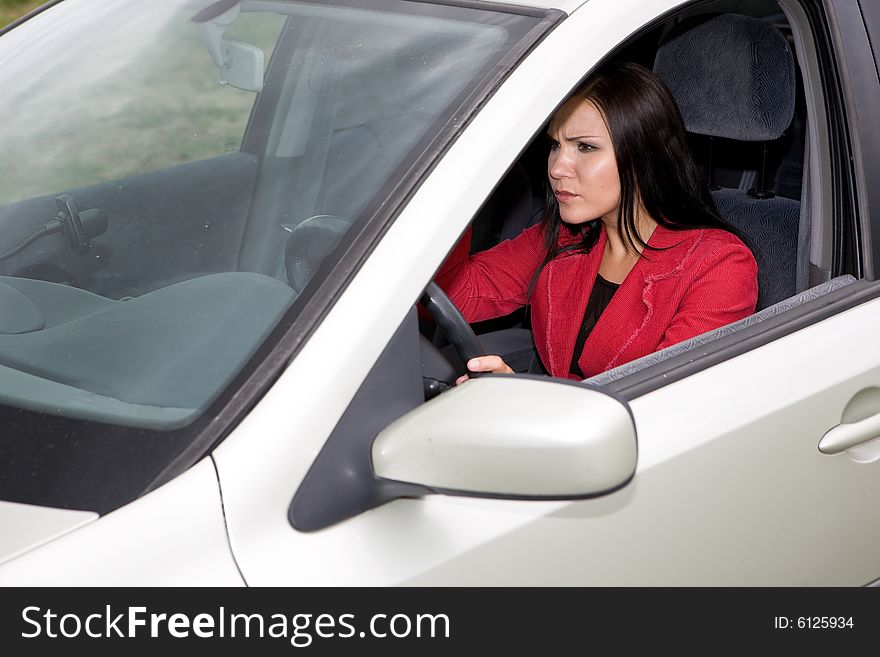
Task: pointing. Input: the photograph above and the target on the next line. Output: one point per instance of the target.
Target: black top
(600, 297)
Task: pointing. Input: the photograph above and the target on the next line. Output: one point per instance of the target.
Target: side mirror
(240, 64)
(512, 437)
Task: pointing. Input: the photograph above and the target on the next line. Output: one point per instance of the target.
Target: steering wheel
(313, 239)
(308, 245)
(453, 324)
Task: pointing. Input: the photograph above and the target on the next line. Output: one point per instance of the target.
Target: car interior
(748, 123)
(219, 248)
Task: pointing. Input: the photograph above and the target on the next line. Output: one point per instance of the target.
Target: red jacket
(705, 279)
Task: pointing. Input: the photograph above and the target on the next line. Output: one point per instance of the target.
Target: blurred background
(12, 9)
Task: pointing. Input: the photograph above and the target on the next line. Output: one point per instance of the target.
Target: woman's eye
(584, 147)
(553, 144)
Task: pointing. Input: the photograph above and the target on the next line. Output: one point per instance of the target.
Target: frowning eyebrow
(576, 138)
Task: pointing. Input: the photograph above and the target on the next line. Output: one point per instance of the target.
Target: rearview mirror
(512, 437)
(240, 64)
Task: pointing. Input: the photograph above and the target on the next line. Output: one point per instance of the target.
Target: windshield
(175, 181)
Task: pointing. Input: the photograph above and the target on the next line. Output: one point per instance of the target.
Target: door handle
(844, 436)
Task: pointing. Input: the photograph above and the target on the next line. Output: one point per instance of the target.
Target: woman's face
(581, 166)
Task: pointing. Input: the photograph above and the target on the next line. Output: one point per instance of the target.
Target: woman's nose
(558, 166)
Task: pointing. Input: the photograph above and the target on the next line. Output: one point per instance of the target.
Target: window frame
(848, 25)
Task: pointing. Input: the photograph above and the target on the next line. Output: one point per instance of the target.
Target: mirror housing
(512, 437)
(240, 64)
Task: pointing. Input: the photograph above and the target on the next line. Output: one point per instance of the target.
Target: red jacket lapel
(569, 282)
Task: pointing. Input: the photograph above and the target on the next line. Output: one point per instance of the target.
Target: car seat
(512, 207)
(733, 77)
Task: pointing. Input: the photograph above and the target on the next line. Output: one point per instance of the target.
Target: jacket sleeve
(492, 283)
(723, 290)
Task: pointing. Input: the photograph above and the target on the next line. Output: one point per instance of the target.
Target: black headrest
(732, 76)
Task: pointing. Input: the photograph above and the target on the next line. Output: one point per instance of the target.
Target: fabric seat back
(733, 77)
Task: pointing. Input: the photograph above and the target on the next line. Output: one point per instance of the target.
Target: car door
(731, 485)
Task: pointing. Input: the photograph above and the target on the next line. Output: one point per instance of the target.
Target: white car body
(730, 487)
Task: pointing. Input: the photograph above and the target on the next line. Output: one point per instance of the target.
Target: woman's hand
(492, 364)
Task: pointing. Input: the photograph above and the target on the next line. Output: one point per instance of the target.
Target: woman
(631, 255)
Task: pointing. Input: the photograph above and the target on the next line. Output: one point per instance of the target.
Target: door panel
(731, 488)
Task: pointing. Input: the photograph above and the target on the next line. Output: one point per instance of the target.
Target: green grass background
(12, 9)
(153, 113)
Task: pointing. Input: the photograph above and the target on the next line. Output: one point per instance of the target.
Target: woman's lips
(563, 196)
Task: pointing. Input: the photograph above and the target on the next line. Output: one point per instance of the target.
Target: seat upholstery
(513, 207)
(771, 230)
(733, 77)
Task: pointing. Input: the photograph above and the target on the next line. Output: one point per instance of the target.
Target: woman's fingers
(489, 364)
(493, 364)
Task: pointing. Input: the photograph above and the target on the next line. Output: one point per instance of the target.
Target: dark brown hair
(654, 162)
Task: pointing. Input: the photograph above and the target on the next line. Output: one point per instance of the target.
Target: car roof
(567, 6)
